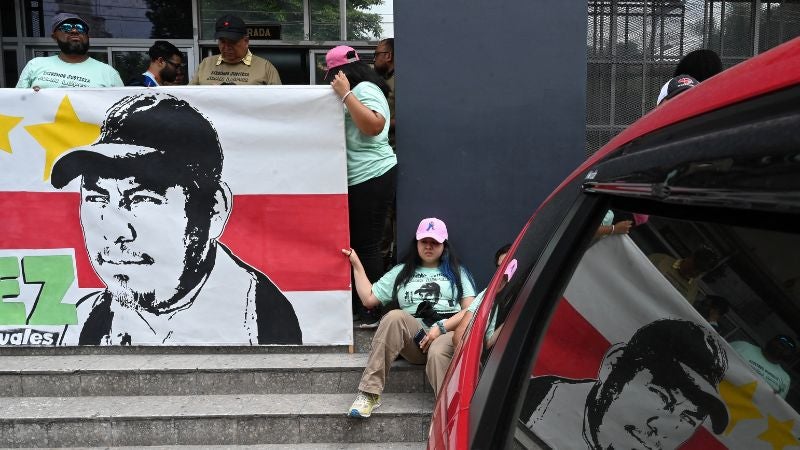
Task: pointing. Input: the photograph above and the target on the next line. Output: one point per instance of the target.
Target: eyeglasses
(174, 64)
(68, 27)
(379, 53)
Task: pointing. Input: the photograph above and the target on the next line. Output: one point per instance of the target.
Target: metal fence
(633, 48)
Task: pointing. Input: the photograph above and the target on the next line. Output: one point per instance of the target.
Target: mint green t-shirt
(52, 72)
(368, 156)
(473, 308)
(426, 284)
(772, 373)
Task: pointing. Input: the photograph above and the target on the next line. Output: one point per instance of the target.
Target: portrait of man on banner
(653, 392)
(152, 207)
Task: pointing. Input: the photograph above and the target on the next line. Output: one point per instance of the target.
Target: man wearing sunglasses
(766, 360)
(72, 67)
(166, 62)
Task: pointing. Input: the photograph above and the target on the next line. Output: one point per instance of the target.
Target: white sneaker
(364, 404)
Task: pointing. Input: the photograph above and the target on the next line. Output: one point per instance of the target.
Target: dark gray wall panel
(490, 113)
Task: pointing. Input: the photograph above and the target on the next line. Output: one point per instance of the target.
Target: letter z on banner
(173, 216)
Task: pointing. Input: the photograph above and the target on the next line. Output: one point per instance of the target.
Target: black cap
(678, 85)
(155, 136)
(230, 27)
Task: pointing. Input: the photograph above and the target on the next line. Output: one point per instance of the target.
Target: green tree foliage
(130, 64)
(171, 19)
(361, 24)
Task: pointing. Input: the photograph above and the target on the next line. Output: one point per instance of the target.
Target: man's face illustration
(137, 239)
(430, 296)
(647, 415)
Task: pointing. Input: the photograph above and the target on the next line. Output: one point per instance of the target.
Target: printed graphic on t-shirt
(62, 79)
(433, 288)
(224, 76)
(773, 379)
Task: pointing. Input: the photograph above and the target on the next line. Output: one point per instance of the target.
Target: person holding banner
(766, 360)
(371, 162)
(430, 259)
(72, 66)
(235, 64)
(153, 206)
(685, 273)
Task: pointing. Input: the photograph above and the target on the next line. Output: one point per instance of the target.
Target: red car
(680, 333)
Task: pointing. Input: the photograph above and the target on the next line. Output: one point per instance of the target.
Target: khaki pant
(395, 336)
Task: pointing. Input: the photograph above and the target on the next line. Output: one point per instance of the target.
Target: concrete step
(223, 420)
(319, 446)
(361, 344)
(196, 374)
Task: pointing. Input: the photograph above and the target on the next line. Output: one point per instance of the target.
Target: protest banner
(173, 216)
(627, 362)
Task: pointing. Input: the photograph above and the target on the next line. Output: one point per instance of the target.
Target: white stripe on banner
(278, 119)
(323, 307)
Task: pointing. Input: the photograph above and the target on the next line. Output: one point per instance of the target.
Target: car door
(581, 305)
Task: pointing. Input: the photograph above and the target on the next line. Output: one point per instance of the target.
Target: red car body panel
(769, 72)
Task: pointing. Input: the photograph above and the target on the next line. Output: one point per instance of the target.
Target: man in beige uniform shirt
(235, 64)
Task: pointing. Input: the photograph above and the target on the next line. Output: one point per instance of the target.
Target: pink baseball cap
(432, 228)
(510, 269)
(339, 56)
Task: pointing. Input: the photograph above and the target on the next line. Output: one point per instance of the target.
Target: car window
(679, 333)
(503, 300)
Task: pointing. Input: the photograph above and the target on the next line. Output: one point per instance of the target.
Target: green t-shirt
(426, 284)
(772, 373)
(52, 72)
(473, 308)
(368, 156)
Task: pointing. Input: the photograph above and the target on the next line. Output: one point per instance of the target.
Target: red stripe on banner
(302, 239)
(703, 439)
(295, 239)
(572, 347)
(39, 220)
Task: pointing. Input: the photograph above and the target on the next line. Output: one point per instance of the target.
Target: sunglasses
(68, 27)
(786, 341)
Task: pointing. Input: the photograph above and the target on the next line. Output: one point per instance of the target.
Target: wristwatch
(441, 326)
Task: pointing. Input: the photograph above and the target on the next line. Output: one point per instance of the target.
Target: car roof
(768, 72)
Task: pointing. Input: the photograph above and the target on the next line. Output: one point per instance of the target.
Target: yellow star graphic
(65, 132)
(6, 124)
(779, 434)
(739, 400)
